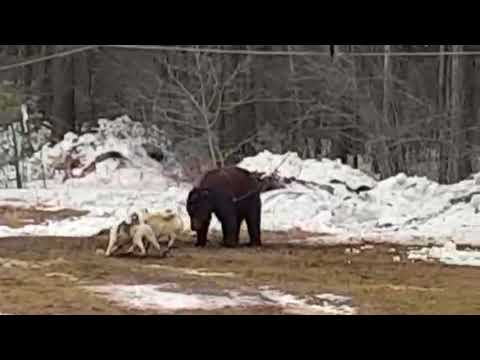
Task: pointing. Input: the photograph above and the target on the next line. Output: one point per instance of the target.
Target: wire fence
(193, 49)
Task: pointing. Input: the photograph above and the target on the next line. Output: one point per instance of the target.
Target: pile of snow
(122, 135)
(168, 298)
(109, 193)
(448, 254)
(403, 210)
(291, 165)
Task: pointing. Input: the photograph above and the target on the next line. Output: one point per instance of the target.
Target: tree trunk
(46, 86)
(355, 101)
(384, 124)
(16, 160)
(472, 104)
(28, 71)
(459, 162)
(443, 166)
(63, 95)
(92, 67)
(340, 148)
(258, 85)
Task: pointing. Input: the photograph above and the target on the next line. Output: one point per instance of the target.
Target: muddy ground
(47, 276)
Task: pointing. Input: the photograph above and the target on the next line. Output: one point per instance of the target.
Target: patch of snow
(329, 304)
(193, 272)
(352, 251)
(447, 254)
(158, 298)
(151, 297)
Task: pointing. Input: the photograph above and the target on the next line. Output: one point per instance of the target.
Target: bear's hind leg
(253, 219)
(231, 230)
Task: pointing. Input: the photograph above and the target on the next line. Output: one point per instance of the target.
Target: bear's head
(199, 207)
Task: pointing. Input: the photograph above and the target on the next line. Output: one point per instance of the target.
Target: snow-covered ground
(403, 210)
(447, 254)
(167, 297)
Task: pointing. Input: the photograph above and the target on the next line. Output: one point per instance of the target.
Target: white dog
(132, 232)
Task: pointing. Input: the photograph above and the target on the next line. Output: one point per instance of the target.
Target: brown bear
(232, 194)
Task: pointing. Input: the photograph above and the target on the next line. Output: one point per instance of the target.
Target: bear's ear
(204, 193)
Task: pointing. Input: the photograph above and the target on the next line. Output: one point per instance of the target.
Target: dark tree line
(412, 114)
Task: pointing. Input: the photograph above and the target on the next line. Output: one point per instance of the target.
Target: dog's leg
(152, 239)
(111, 251)
(138, 241)
(131, 249)
(171, 241)
(171, 238)
(112, 243)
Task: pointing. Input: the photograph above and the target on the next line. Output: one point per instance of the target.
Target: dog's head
(134, 218)
(199, 207)
(137, 217)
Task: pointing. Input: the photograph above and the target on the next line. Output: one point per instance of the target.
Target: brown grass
(376, 284)
(11, 219)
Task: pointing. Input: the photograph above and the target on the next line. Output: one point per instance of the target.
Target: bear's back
(232, 180)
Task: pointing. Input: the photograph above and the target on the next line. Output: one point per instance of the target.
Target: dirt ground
(15, 217)
(47, 276)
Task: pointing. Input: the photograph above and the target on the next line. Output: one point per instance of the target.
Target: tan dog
(166, 223)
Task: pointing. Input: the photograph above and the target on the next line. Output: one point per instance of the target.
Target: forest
(385, 109)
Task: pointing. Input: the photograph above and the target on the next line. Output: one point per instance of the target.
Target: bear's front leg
(202, 235)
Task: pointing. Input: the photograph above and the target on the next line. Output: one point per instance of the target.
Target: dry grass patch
(376, 284)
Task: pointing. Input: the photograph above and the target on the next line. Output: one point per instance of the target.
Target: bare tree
(201, 101)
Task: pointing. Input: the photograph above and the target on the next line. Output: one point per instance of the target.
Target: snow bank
(122, 135)
(168, 298)
(402, 210)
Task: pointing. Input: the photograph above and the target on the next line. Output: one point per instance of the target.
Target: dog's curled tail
(167, 215)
